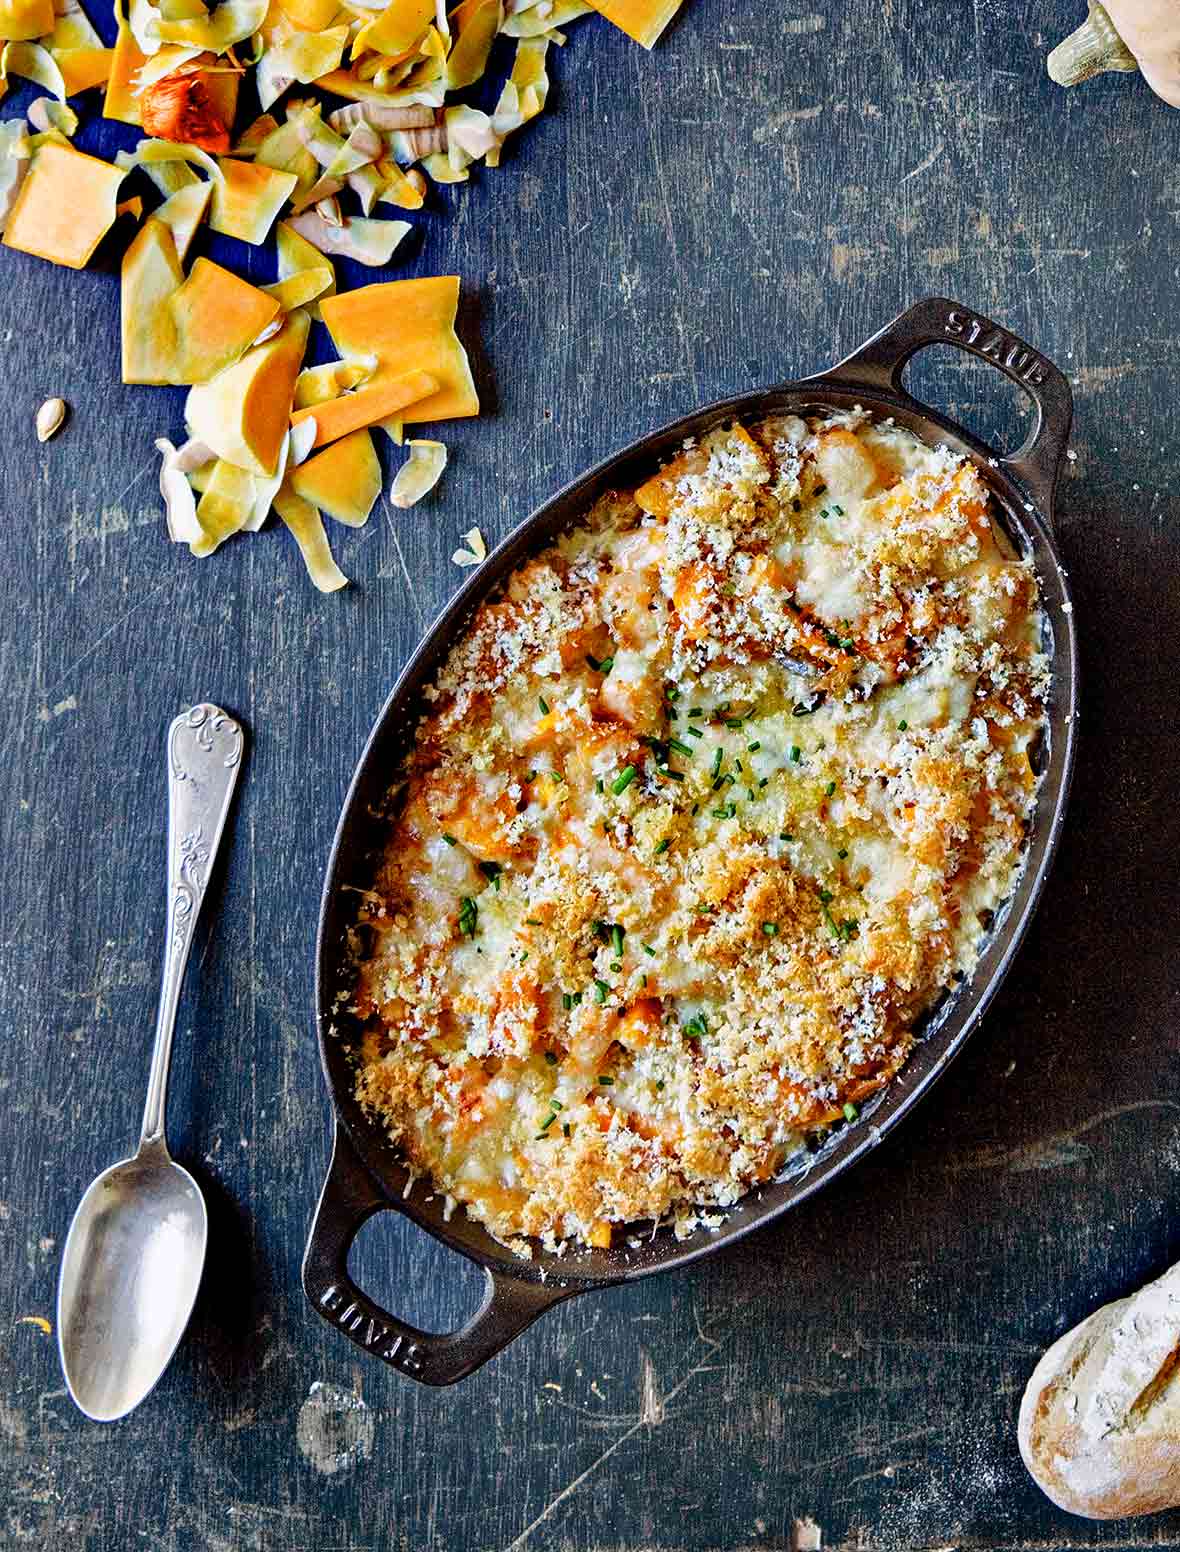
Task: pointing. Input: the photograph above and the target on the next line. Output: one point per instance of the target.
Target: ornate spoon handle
(204, 762)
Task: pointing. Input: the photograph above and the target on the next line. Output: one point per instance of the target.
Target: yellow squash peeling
(248, 199)
(307, 529)
(377, 401)
(225, 507)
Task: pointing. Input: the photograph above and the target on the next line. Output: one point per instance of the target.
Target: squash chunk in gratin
(709, 807)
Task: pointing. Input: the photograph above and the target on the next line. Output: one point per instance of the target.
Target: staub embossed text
(986, 340)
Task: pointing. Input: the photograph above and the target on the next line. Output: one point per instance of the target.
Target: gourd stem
(1093, 48)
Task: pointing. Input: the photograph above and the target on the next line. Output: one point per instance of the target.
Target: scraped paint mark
(334, 1430)
(806, 1535)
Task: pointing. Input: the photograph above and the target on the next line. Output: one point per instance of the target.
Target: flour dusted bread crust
(1100, 1421)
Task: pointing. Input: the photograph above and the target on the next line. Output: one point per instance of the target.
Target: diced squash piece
(151, 275)
(397, 29)
(83, 68)
(248, 199)
(183, 212)
(243, 414)
(65, 207)
(225, 506)
(307, 527)
(375, 402)
(344, 480)
(408, 326)
(642, 20)
(21, 19)
(217, 316)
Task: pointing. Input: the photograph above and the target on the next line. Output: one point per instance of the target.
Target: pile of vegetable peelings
(263, 431)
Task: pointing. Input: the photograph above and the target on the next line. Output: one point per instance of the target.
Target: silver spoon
(134, 1254)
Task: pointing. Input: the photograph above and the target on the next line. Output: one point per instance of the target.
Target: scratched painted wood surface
(773, 184)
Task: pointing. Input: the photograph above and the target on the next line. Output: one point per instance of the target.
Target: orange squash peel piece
(65, 207)
(643, 20)
(344, 480)
(243, 413)
(407, 326)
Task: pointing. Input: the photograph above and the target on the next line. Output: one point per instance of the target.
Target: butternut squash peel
(407, 326)
(244, 412)
(643, 20)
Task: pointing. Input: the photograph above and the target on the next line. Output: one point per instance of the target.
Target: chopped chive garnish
(770, 929)
(733, 722)
(727, 812)
(659, 1085)
(623, 780)
(548, 1121)
(754, 747)
(556, 1104)
(662, 847)
(468, 917)
(750, 793)
(615, 966)
(826, 897)
(671, 774)
(694, 732)
(695, 711)
(839, 511)
(674, 743)
(602, 930)
(605, 1079)
(723, 708)
(785, 835)
(902, 725)
(600, 991)
(673, 695)
(823, 512)
(551, 1056)
(616, 938)
(696, 1027)
(599, 786)
(842, 853)
(829, 789)
(533, 921)
(851, 1113)
(450, 839)
(796, 754)
(567, 1003)
(567, 1129)
(738, 766)
(491, 871)
(765, 782)
(649, 951)
(715, 768)
(543, 704)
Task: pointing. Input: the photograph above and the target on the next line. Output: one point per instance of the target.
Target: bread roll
(1100, 1420)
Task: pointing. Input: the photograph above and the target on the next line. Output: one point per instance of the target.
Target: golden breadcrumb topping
(710, 806)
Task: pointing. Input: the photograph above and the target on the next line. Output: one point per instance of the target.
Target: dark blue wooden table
(744, 205)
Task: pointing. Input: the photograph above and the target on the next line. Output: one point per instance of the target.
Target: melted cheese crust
(710, 806)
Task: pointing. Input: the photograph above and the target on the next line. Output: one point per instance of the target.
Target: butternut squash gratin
(709, 807)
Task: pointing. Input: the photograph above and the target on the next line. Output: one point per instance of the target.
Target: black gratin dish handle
(880, 361)
(349, 1199)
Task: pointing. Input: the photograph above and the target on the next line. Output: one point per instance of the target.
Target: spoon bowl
(129, 1278)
